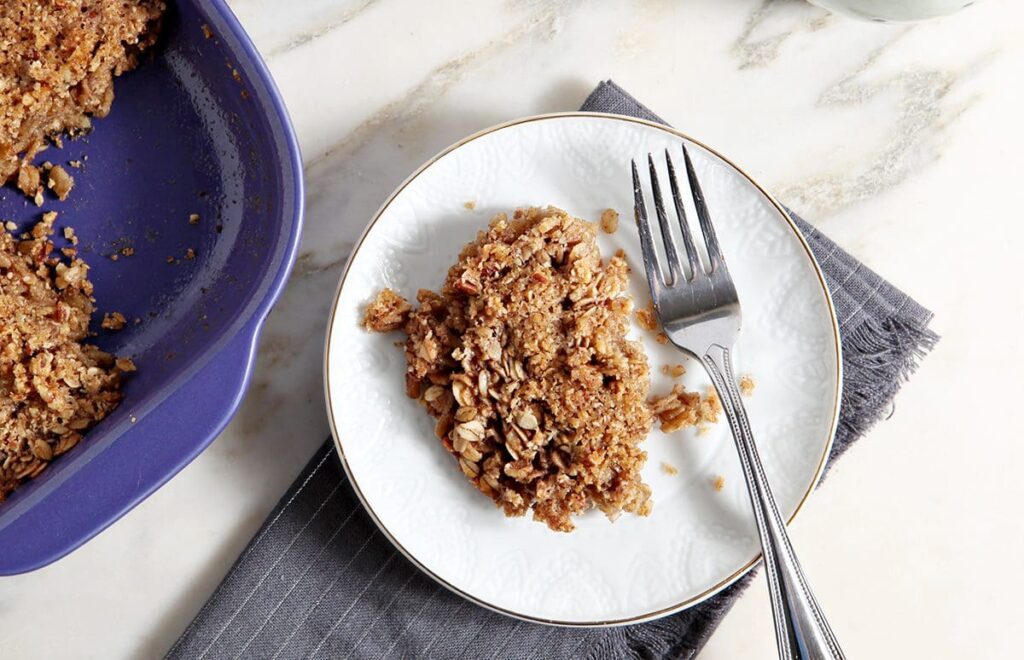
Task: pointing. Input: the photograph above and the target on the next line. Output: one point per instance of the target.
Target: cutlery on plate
(699, 310)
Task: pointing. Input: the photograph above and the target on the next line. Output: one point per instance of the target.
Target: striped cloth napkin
(319, 579)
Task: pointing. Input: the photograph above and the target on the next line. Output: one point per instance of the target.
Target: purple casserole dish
(198, 128)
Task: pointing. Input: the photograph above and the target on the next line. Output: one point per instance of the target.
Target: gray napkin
(320, 580)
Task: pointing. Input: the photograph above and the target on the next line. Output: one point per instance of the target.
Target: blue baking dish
(198, 128)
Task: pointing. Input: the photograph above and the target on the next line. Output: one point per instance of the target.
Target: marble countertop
(904, 144)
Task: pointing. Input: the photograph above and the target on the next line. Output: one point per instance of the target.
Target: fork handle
(800, 626)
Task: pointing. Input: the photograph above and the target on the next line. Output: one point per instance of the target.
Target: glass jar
(893, 10)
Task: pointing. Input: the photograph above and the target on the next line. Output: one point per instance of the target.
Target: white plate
(697, 540)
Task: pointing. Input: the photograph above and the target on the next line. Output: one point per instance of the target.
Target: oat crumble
(747, 385)
(57, 65)
(53, 387)
(719, 483)
(523, 360)
(669, 469)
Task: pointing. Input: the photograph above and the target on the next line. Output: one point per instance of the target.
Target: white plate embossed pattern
(697, 540)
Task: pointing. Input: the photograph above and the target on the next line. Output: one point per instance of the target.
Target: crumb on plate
(609, 221)
(680, 409)
(673, 370)
(647, 318)
(388, 311)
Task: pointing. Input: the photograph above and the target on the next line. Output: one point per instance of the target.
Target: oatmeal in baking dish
(523, 359)
(58, 61)
(53, 385)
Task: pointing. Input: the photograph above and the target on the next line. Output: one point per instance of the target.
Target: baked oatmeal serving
(523, 360)
(53, 385)
(58, 61)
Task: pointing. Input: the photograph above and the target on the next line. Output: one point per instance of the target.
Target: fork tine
(691, 251)
(710, 238)
(674, 265)
(651, 264)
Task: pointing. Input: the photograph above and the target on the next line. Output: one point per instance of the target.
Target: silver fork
(700, 312)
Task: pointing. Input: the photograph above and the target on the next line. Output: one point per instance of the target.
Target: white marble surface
(902, 143)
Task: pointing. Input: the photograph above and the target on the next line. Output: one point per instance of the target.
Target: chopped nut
(193, 219)
(190, 254)
(127, 251)
(60, 182)
(609, 221)
(113, 321)
(661, 338)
